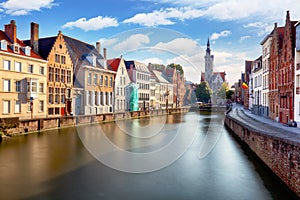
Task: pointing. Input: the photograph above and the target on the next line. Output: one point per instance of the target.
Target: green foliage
(229, 94)
(177, 67)
(203, 92)
(222, 91)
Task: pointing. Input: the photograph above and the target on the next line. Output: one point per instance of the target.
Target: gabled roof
(215, 74)
(137, 65)
(160, 76)
(114, 63)
(33, 54)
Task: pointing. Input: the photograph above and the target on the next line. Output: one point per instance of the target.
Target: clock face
(298, 38)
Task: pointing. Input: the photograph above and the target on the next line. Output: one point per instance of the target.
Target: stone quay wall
(39, 124)
(280, 154)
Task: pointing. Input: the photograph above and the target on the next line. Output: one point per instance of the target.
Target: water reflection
(56, 165)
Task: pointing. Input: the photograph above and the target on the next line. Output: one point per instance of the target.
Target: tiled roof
(160, 76)
(114, 63)
(215, 74)
(137, 65)
(3, 36)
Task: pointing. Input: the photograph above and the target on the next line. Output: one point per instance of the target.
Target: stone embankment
(276, 145)
(39, 124)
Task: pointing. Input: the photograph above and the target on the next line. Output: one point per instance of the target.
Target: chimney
(98, 47)
(34, 36)
(11, 31)
(275, 25)
(105, 60)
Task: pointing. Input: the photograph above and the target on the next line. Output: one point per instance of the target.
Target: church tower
(209, 65)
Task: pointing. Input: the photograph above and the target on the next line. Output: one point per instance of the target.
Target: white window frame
(18, 66)
(7, 65)
(6, 106)
(18, 106)
(6, 85)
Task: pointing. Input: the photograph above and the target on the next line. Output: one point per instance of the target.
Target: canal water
(184, 156)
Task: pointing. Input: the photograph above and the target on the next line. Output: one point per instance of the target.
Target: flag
(245, 86)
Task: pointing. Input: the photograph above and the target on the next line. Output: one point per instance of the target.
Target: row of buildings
(273, 79)
(60, 75)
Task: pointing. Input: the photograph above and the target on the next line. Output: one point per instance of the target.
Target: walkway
(264, 125)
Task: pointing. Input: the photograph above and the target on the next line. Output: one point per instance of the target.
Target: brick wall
(281, 155)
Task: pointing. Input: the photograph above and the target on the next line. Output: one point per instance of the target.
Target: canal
(184, 156)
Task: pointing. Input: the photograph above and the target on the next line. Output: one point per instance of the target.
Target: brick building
(286, 72)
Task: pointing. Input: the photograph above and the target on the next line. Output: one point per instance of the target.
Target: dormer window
(4, 45)
(27, 50)
(16, 48)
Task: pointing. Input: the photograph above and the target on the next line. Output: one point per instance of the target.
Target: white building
(257, 73)
(139, 73)
(122, 81)
(297, 76)
(266, 48)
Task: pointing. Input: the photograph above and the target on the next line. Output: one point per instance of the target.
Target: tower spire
(208, 46)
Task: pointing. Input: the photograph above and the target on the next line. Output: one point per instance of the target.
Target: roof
(160, 76)
(33, 54)
(114, 63)
(137, 65)
(215, 74)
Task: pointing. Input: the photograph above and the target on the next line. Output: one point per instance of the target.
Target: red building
(281, 72)
(286, 72)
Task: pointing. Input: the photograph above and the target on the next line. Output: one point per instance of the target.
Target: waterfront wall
(280, 154)
(40, 124)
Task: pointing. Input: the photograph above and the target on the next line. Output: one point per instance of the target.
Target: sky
(161, 32)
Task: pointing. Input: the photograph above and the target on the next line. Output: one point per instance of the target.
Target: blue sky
(162, 31)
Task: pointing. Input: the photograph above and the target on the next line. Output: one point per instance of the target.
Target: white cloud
(216, 36)
(96, 23)
(246, 37)
(260, 27)
(17, 7)
(132, 43)
(179, 46)
(164, 16)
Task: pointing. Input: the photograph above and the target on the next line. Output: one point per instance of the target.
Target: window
(63, 59)
(18, 67)
(6, 85)
(56, 75)
(30, 69)
(41, 87)
(27, 51)
(57, 94)
(106, 81)
(63, 75)
(6, 107)
(96, 99)
(95, 79)
(18, 106)
(18, 86)
(57, 58)
(51, 95)
(62, 95)
(32, 87)
(111, 82)
(89, 81)
(68, 76)
(101, 80)
(16, 48)
(41, 106)
(3, 45)
(42, 70)
(50, 74)
(6, 65)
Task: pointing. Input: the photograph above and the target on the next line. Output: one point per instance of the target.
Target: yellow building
(60, 72)
(23, 77)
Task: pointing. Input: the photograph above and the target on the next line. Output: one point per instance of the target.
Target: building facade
(23, 77)
(286, 81)
(266, 48)
(297, 76)
(140, 74)
(256, 76)
(122, 81)
(60, 71)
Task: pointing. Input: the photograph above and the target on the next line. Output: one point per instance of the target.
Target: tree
(221, 93)
(229, 94)
(177, 67)
(203, 92)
